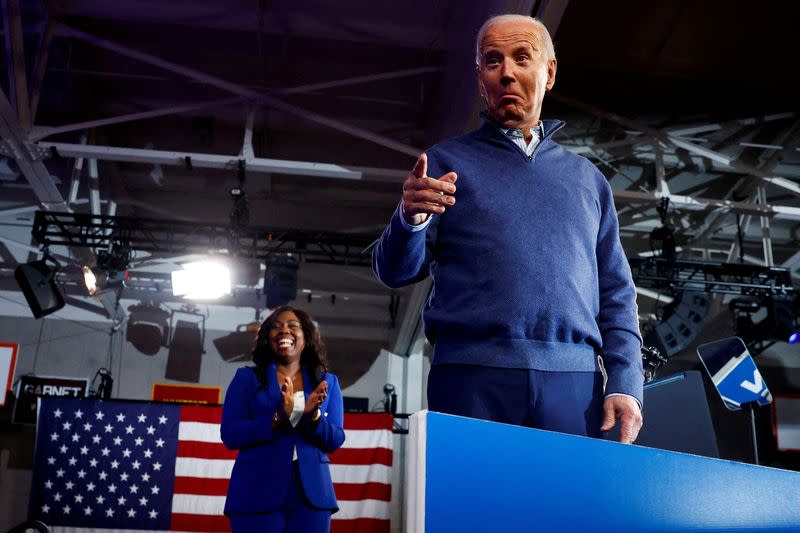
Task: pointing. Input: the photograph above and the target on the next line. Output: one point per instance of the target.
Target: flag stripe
(199, 505)
(199, 431)
(368, 421)
(211, 468)
(362, 456)
(200, 485)
(197, 413)
(361, 474)
(207, 450)
(360, 491)
(188, 522)
(357, 438)
(359, 525)
(363, 509)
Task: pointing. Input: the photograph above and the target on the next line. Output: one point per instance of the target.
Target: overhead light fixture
(97, 280)
(201, 280)
(148, 327)
(108, 270)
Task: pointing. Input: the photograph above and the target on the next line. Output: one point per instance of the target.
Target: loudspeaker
(280, 283)
(679, 327)
(37, 281)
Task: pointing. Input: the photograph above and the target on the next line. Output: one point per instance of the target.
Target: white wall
(409, 376)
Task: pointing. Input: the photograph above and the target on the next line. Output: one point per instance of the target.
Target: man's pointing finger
(421, 168)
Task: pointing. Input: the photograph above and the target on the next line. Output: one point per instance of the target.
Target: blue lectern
(472, 475)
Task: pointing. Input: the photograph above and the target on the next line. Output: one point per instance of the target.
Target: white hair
(549, 50)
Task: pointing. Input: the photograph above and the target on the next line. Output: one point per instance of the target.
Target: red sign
(8, 360)
(169, 392)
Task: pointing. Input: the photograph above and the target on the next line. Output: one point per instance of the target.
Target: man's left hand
(626, 410)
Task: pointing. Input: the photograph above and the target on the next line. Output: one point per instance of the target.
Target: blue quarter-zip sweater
(528, 269)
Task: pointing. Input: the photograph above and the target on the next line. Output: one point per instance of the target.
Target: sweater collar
(548, 126)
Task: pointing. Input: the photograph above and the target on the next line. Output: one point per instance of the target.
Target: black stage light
(37, 280)
(148, 327)
(107, 270)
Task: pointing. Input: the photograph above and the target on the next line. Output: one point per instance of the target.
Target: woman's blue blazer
(262, 471)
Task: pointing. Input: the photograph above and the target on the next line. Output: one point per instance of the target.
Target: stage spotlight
(202, 280)
(107, 270)
(148, 327)
(97, 280)
(37, 280)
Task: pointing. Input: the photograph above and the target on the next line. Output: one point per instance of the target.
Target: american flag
(118, 466)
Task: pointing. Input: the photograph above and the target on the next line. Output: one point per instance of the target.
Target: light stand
(102, 383)
(752, 409)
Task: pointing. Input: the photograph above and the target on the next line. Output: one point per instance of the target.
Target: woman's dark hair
(314, 356)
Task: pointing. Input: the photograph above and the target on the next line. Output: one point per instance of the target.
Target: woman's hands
(287, 391)
(316, 398)
(313, 402)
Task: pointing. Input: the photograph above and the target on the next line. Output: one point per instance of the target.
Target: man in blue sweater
(533, 314)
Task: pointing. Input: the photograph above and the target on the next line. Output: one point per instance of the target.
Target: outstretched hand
(423, 195)
(627, 411)
(316, 398)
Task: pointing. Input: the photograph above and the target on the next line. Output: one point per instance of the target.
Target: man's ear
(551, 74)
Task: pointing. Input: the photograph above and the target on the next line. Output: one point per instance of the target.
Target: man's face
(514, 73)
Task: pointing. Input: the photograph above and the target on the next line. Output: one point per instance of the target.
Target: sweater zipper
(546, 137)
(541, 142)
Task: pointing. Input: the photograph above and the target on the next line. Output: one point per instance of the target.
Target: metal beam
(200, 160)
(736, 165)
(793, 263)
(40, 132)
(766, 240)
(689, 203)
(247, 144)
(683, 131)
(29, 163)
(15, 62)
(594, 148)
(40, 68)
(240, 90)
(94, 187)
(735, 249)
(657, 296)
(666, 139)
(75, 182)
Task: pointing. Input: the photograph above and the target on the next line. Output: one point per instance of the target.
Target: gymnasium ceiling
(692, 101)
